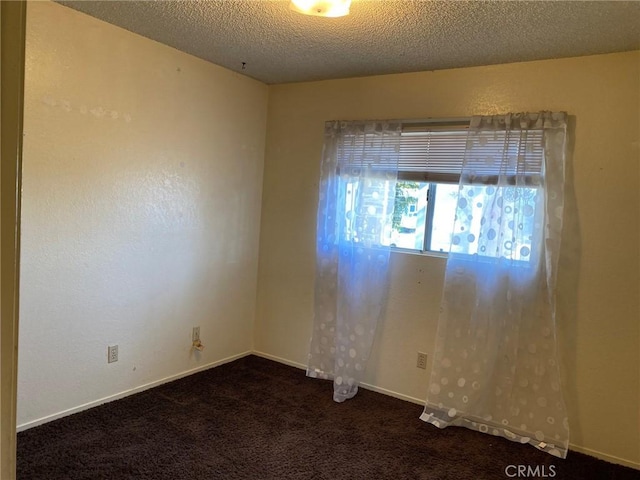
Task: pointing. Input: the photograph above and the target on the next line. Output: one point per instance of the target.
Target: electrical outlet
(195, 335)
(422, 360)
(112, 353)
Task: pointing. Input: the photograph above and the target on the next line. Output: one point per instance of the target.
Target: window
(429, 169)
(416, 226)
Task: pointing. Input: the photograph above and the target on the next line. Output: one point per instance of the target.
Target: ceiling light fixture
(321, 8)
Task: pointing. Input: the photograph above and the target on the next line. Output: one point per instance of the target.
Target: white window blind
(432, 154)
(436, 153)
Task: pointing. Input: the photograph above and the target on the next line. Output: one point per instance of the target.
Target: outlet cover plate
(112, 353)
(422, 360)
(195, 335)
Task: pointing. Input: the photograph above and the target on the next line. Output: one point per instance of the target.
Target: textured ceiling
(378, 37)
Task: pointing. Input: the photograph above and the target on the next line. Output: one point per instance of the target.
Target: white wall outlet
(422, 360)
(195, 335)
(112, 353)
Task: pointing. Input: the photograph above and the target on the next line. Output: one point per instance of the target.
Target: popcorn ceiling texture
(378, 37)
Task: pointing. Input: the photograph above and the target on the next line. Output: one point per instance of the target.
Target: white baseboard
(391, 393)
(126, 393)
(366, 386)
(268, 356)
(384, 391)
(575, 448)
(604, 456)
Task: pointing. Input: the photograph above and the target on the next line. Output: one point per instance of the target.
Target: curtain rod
(421, 121)
(447, 120)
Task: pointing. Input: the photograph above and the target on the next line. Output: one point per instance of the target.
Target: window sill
(428, 253)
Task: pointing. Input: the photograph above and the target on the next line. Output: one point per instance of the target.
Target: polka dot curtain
(495, 367)
(355, 208)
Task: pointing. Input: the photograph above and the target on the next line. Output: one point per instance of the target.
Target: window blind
(437, 154)
(432, 154)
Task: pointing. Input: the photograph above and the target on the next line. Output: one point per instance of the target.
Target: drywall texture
(141, 211)
(598, 306)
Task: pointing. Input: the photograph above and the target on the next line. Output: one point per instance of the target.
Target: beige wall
(141, 212)
(598, 309)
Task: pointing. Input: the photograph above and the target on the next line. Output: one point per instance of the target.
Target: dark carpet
(258, 419)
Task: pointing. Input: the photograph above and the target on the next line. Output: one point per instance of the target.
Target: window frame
(434, 179)
(428, 222)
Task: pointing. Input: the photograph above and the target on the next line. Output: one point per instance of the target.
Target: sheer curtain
(356, 201)
(495, 366)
